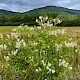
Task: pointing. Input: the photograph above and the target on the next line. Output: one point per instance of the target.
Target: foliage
(37, 53)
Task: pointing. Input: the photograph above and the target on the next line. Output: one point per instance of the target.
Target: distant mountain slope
(54, 9)
(6, 12)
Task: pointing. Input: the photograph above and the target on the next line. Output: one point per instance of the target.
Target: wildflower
(40, 17)
(58, 46)
(8, 36)
(42, 24)
(46, 17)
(36, 20)
(47, 67)
(18, 44)
(15, 35)
(39, 28)
(37, 70)
(70, 68)
(49, 70)
(44, 64)
(76, 50)
(63, 31)
(65, 65)
(1, 47)
(14, 52)
(42, 61)
(49, 64)
(53, 71)
(5, 47)
(24, 44)
(70, 44)
(6, 57)
(35, 43)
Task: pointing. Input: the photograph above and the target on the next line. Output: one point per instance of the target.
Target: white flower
(15, 35)
(76, 50)
(24, 44)
(42, 61)
(65, 65)
(18, 44)
(47, 67)
(8, 36)
(37, 70)
(36, 20)
(49, 70)
(63, 31)
(6, 57)
(46, 17)
(14, 52)
(70, 68)
(1, 47)
(5, 47)
(49, 64)
(44, 64)
(40, 17)
(53, 71)
(42, 24)
(60, 60)
(35, 43)
(39, 28)
(70, 44)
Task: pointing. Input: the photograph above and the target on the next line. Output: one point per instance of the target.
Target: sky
(26, 5)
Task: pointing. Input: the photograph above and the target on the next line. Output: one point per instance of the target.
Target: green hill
(56, 9)
(6, 12)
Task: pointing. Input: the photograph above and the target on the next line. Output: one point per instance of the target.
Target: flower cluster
(14, 52)
(62, 62)
(44, 22)
(3, 47)
(56, 32)
(48, 67)
(19, 43)
(70, 44)
(58, 47)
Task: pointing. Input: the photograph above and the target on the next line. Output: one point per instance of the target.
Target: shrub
(39, 53)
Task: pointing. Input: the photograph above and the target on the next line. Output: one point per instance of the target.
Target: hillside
(47, 9)
(6, 12)
(50, 9)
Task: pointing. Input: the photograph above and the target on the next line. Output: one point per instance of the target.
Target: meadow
(44, 52)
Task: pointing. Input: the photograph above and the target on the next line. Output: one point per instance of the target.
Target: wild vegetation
(41, 52)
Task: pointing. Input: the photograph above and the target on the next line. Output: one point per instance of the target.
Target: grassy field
(71, 31)
(6, 29)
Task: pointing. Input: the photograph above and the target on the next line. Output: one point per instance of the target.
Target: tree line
(30, 19)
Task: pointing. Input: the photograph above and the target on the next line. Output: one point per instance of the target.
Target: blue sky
(26, 5)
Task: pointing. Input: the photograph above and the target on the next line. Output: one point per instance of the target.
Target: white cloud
(25, 5)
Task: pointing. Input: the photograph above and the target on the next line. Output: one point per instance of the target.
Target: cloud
(25, 5)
